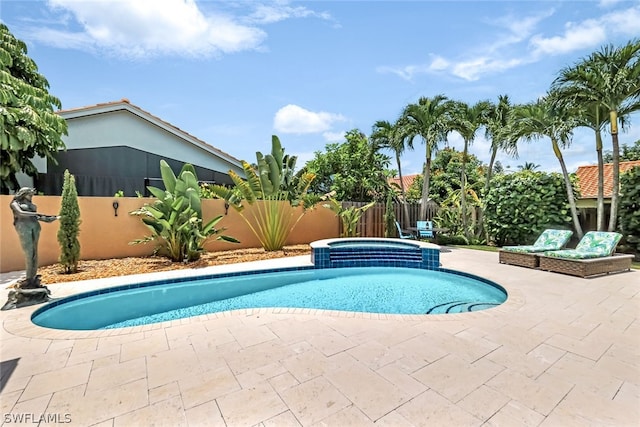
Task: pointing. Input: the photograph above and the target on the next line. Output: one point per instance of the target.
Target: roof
(124, 104)
(588, 178)
(406, 179)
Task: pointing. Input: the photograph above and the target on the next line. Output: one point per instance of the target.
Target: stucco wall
(104, 235)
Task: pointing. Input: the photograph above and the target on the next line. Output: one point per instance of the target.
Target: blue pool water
(371, 289)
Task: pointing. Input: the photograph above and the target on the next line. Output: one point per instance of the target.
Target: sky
(233, 73)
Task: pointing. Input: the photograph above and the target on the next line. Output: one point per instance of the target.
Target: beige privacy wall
(104, 235)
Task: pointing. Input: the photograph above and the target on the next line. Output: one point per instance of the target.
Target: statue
(26, 220)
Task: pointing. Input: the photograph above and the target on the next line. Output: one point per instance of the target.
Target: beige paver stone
(60, 345)
(256, 356)
(60, 379)
(207, 414)
(483, 402)
(284, 331)
(402, 380)
(541, 395)
(99, 407)
(265, 404)
(8, 399)
(531, 364)
(285, 419)
(350, 416)
(171, 365)
(211, 339)
(32, 364)
(205, 386)
(165, 413)
(314, 400)
(164, 392)
(119, 339)
(430, 408)
(84, 345)
(114, 376)
(454, 377)
(283, 382)
(422, 348)
(374, 395)
(582, 407)
(27, 411)
(628, 394)
(587, 347)
(250, 378)
(77, 357)
(550, 327)
(105, 361)
(18, 347)
(393, 419)
(517, 337)
(145, 346)
(330, 343)
(582, 371)
(515, 413)
(247, 337)
(307, 365)
(374, 355)
(107, 423)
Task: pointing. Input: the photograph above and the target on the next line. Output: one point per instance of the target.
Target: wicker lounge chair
(594, 255)
(528, 256)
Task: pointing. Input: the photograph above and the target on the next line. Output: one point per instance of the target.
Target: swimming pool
(391, 290)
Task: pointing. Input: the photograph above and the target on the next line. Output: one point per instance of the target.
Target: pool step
(460, 307)
(346, 257)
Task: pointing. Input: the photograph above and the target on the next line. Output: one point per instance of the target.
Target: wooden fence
(372, 222)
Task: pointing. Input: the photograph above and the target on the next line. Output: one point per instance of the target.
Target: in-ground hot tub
(376, 252)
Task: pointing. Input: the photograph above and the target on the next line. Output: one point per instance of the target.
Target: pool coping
(19, 323)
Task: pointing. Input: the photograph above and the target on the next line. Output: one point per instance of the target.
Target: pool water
(390, 290)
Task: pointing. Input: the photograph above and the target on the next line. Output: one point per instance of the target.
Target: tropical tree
(628, 153)
(355, 170)
(28, 125)
(426, 120)
(389, 136)
(611, 78)
(467, 120)
(528, 166)
(540, 119)
(275, 199)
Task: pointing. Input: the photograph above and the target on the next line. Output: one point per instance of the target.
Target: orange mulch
(98, 269)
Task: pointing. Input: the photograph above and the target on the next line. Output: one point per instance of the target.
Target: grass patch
(478, 247)
(635, 265)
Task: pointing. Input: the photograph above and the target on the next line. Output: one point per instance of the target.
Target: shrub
(521, 205)
(629, 211)
(175, 218)
(69, 225)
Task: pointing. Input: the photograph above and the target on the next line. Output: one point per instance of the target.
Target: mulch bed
(98, 269)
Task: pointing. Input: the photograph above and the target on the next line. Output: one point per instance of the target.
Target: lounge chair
(402, 234)
(425, 229)
(528, 255)
(594, 255)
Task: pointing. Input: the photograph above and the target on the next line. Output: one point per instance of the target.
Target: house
(117, 146)
(588, 185)
(406, 179)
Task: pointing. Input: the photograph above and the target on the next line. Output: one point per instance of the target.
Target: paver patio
(562, 351)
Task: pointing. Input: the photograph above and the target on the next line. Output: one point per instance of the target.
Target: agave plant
(273, 191)
(175, 218)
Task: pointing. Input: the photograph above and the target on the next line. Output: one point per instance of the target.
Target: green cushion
(549, 240)
(594, 244)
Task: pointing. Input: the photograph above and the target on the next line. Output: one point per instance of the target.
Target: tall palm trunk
(615, 191)
(425, 185)
(403, 192)
(463, 190)
(600, 208)
(569, 187)
(487, 187)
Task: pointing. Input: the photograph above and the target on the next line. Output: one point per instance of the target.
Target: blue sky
(233, 73)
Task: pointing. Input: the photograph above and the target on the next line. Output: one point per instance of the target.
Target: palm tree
(540, 119)
(611, 78)
(426, 120)
(386, 135)
(528, 166)
(467, 121)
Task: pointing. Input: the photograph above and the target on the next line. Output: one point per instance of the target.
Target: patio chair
(402, 234)
(528, 255)
(594, 255)
(425, 229)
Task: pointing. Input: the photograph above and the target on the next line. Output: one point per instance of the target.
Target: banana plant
(275, 193)
(175, 218)
(349, 216)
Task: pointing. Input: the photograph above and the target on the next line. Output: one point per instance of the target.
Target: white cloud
(473, 69)
(624, 21)
(267, 14)
(576, 36)
(294, 119)
(145, 28)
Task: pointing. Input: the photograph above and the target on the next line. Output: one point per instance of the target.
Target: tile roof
(588, 178)
(406, 179)
(125, 104)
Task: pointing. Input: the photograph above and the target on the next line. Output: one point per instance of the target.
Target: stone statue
(26, 220)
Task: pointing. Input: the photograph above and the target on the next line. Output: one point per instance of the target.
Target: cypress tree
(69, 225)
